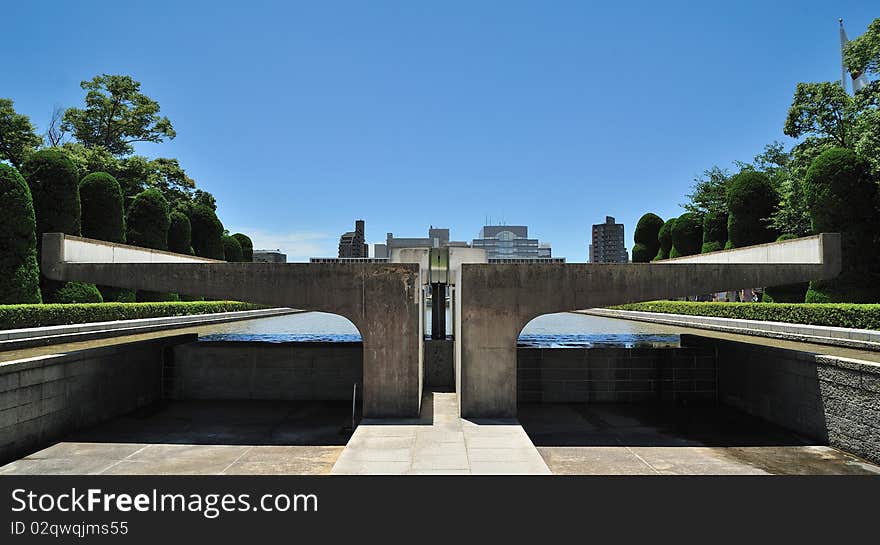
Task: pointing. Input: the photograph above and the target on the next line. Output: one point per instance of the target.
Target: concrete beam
(498, 300)
(381, 300)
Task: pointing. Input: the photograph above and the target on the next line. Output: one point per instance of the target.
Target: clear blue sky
(302, 116)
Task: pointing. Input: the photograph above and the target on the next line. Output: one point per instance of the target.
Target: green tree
(148, 220)
(824, 110)
(207, 232)
(103, 218)
(709, 192)
(842, 198)
(863, 53)
(102, 207)
(19, 275)
(180, 234)
(231, 249)
(17, 136)
(664, 236)
(247, 246)
(647, 243)
(203, 198)
(751, 200)
(116, 115)
(687, 235)
(54, 185)
(714, 232)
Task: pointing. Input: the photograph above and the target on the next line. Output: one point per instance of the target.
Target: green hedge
(832, 314)
(18, 316)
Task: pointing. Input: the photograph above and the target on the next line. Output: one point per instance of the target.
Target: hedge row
(19, 316)
(828, 314)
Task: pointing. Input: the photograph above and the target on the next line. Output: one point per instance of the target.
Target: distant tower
(352, 244)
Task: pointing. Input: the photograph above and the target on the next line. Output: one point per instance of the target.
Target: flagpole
(843, 41)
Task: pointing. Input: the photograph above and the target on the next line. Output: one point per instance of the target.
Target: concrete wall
(829, 399)
(616, 375)
(46, 397)
(439, 366)
(257, 370)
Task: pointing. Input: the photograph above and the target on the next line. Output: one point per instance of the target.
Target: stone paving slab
(440, 443)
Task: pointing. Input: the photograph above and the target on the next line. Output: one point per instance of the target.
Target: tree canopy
(17, 136)
(116, 115)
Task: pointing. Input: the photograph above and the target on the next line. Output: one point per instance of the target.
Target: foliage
(53, 182)
(687, 235)
(842, 198)
(102, 207)
(834, 315)
(147, 221)
(135, 173)
(709, 192)
(664, 236)
(17, 136)
(179, 234)
(207, 232)
(19, 316)
(714, 231)
(823, 109)
(863, 53)
(19, 275)
(247, 247)
(74, 293)
(231, 249)
(203, 198)
(751, 200)
(116, 115)
(646, 238)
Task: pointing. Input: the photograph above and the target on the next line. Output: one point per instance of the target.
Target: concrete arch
(381, 300)
(498, 300)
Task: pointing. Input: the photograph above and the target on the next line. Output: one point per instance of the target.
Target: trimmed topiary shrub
(148, 220)
(646, 238)
(687, 235)
(103, 219)
(77, 292)
(834, 315)
(714, 232)
(53, 181)
(231, 249)
(751, 201)
(147, 226)
(19, 316)
(247, 247)
(102, 207)
(841, 197)
(180, 234)
(664, 236)
(207, 232)
(19, 274)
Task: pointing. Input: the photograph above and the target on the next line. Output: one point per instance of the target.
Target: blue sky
(302, 116)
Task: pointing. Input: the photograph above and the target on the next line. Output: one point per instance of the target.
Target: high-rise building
(511, 242)
(607, 245)
(351, 244)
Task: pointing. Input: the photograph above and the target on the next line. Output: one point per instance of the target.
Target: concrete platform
(202, 438)
(440, 443)
(656, 440)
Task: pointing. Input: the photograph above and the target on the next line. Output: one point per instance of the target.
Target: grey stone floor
(652, 440)
(206, 438)
(440, 443)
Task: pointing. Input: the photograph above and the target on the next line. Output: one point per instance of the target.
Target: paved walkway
(440, 443)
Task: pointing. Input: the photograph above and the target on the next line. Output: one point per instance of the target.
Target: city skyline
(528, 115)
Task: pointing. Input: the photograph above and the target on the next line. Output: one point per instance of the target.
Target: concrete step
(439, 443)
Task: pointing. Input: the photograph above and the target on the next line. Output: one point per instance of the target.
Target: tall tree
(19, 275)
(863, 53)
(17, 136)
(117, 115)
(709, 192)
(824, 110)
